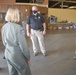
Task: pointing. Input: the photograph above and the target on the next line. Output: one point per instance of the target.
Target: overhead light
(72, 7)
(64, 6)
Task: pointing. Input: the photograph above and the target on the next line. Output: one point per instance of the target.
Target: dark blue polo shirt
(36, 22)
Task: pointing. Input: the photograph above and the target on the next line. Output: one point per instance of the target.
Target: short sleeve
(42, 19)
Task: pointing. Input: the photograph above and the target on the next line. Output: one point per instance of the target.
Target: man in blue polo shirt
(36, 29)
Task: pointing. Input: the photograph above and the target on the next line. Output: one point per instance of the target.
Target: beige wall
(63, 14)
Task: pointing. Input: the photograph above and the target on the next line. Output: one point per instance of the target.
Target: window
(2, 17)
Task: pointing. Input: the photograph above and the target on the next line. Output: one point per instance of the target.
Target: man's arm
(44, 28)
(28, 30)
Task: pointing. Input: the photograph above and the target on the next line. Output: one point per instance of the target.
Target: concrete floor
(60, 47)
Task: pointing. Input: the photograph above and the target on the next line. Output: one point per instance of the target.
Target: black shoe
(44, 54)
(36, 53)
(4, 57)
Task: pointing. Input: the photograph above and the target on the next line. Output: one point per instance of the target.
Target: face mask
(34, 11)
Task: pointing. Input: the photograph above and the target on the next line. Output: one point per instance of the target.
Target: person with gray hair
(16, 50)
(36, 29)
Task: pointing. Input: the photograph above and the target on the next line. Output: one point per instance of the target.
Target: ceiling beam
(55, 4)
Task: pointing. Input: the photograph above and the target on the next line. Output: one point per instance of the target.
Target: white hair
(12, 15)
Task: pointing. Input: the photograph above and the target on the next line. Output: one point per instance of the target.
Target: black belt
(38, 30)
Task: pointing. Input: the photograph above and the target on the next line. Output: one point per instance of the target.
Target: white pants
(37, 36)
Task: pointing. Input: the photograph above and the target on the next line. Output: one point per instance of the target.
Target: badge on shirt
(38, 17)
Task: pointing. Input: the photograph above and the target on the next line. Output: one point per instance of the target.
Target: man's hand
(28, 34)
(44, 32)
